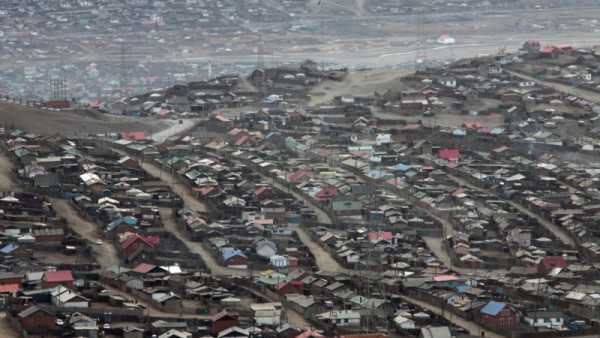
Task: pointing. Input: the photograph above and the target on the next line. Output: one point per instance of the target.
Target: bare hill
(72, 123)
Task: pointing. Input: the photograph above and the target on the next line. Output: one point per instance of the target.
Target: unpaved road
(209, 260)
(324, 260)
(7, 182)
(7, 331)
(179, 188)
(105, 254)
(175, 128)
(571, 90)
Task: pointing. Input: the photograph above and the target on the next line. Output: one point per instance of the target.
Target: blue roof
(227, 253)
(9, 248)
(493, 308)
(377, 174)
(130, 220)
(459, 132)
(497, 131)
(401, 167)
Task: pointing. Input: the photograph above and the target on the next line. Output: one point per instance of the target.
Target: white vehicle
(550, 125)
(99, 242)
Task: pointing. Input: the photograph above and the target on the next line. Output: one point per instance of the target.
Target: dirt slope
(71, 123)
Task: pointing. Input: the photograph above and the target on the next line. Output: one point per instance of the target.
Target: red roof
(223, 314)
(547, 50)
(411, 126)
(205, 190)
(564, 46)
(445, 278)
(144, 268)
(449, 154)
(384, 235)
(10, 288)
(294, 177)
(133, 135)
(326, 193)
(309, 333)
(551, 262)
(261, 190)
(58, 276)
(151, 241)
(473, 125)
(241, 140)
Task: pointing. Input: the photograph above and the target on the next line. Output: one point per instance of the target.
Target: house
(267, 313)
(145, 268)
(404, 323)
(63, 297)
(11, 278)
(287, 331)
(128, 162)
(133, 135)
(9, 289)
(133, 332)
(548, 319)
(447, 82)
(234, 332)
(266, 248)
(340, 318)
(222, 321)
(135, 246)
(287, 287)
(56, 278)
(550, 263)
(450, 155)
(310, 334)
(346, 206)
(499, 315)
(36, 320)
(173, 333)
(83, 325)
(232, 257)
(168, 301)
(436, 332)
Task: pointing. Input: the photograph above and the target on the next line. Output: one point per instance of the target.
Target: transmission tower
(421, 49)
(123, 80)
(58, 90)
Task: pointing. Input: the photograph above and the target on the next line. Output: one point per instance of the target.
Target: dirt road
(324, 260)
(105, 254)
(7, 182)
(210, 261)
(571, 90)
(558, 232)
(7, 331)
(174, 129)
(179, 188)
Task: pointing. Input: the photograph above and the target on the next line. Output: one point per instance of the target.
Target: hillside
(72, 123)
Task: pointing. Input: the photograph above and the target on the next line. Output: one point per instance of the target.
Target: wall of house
(223, 324)
(40, 323)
